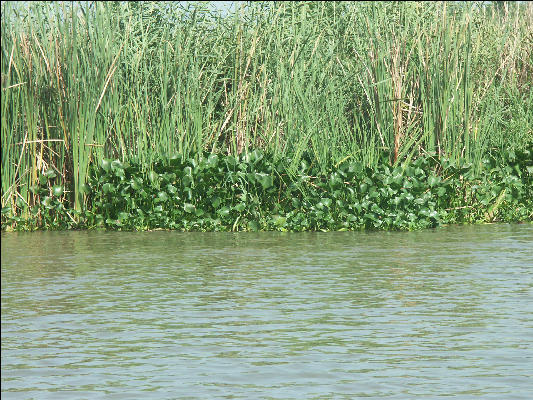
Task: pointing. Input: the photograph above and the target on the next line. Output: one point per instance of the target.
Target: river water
(169, 315)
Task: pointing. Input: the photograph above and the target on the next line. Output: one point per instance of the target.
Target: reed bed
(324, 82)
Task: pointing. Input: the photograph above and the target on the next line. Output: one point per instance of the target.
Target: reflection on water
(268, 315)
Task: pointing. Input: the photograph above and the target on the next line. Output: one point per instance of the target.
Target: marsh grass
(304, 81)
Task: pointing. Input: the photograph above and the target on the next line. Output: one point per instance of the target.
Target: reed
(316, 81)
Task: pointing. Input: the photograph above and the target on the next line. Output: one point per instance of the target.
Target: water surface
(161, 315)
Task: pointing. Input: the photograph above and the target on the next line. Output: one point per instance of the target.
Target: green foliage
(253, 192)
(318, 83)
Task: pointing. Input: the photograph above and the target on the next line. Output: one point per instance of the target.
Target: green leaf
(57, 190)
(265, 180)
(326, 201)
(253, 226)
(47, 201)
(215, 202)
(231, 161)
(106, 164)
(240, 207)
(279, 221)
(108, 188)
(50, 173)
(136, 183)
(433, 180)
(187, 171)
(188, 207)
(162, 196)
(122, 216)
(171, 189)
(85, 189)
(153, 176)
(224, 211)
(212, 160)
(117, 164)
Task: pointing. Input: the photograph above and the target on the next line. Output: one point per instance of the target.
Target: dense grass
(374, 83)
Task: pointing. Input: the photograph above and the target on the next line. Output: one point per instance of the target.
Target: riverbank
(254, 193)
(344, 115)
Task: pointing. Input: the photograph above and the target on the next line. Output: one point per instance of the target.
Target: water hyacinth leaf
(50, 173)
(188, 207)
(162, 196)
(105, 164)
(85, 188)
(108, 188)
(124, 192)
(57, 190)
(117, 164)
(279, 221)
(153, 176)
(187, 171)
(187, 180)
(408, 196)
(231, 161)
(256, 156)
(253, 226)
(215, 202)
(212, 160)
(240, 207)
(355, 168)
(326, 201)
(433, 180)
(224, 211)
(171, 189)
(251, 177)
(123, 216)
(136, 183)
(265, 180)
(335, 180)
(47, 201)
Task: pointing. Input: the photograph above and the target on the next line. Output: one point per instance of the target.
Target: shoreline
(256, 193)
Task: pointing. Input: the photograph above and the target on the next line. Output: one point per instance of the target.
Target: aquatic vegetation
(323, 89)
(253, 192)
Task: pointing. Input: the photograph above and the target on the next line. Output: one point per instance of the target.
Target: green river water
(445, 313)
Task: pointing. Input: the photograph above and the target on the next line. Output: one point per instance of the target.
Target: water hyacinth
(231, 194)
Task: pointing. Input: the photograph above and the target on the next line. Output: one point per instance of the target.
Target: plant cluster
(313, 82)
(253, 193)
